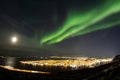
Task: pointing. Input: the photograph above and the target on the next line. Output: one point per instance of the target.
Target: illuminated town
(74, 62)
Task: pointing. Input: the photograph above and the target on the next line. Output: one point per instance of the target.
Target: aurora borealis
(80, 22)
(61, 27)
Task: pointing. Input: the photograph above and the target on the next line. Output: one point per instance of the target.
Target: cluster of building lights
(74, 63)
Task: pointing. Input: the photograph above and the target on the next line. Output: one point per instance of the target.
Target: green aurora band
(80, 23)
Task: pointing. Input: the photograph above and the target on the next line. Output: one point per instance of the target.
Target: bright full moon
(14, 39)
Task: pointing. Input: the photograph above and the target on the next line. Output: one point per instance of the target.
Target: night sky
(74, 27)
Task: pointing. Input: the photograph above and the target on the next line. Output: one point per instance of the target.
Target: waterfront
(52, 63)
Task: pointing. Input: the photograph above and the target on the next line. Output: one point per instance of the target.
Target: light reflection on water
(10, 61)
(15, 62)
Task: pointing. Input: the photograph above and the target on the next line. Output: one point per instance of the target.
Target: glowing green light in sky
(80, 23)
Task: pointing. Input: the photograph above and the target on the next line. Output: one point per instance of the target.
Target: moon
(14, 39)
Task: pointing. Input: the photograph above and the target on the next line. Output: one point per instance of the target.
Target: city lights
(73, 63)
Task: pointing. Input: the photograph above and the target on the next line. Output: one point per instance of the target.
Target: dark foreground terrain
(109, 71)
